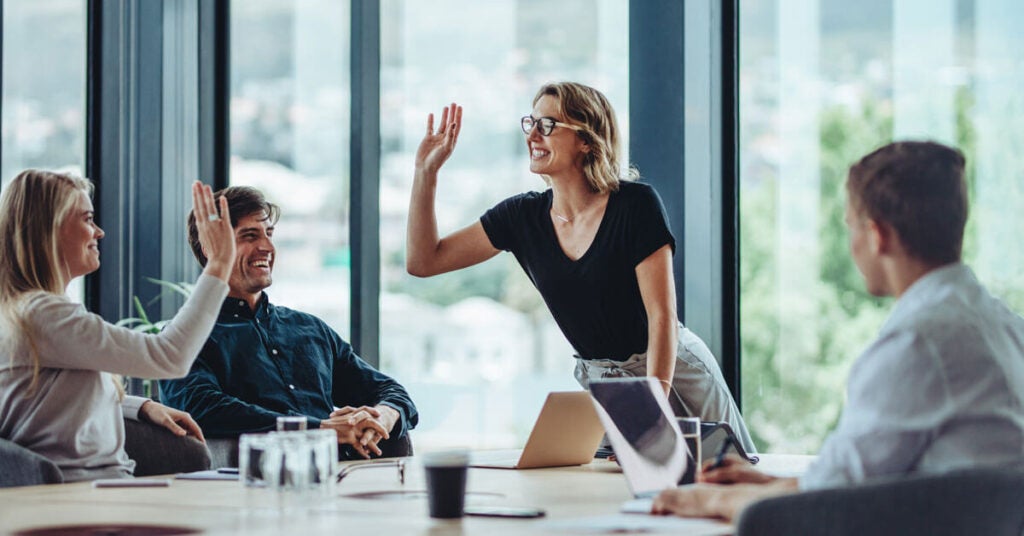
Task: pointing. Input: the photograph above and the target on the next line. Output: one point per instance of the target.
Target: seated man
(942, 387)
(263, 361)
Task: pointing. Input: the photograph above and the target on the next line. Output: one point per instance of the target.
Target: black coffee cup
(446, 482)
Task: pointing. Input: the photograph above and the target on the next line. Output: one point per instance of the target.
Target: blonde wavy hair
(33, 208)
(589, 109)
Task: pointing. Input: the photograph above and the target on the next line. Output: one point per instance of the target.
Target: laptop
(567, 432)
(642, 431)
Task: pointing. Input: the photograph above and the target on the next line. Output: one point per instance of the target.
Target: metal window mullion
(364, 180)
(214, 92)
(682, 113)
(728, 66)
(105, 293)
(656, 113)
(125, 150)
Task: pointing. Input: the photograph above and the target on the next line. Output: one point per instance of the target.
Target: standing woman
(58, 396)
(596, 246)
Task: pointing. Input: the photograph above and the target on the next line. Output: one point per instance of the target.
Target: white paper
(637, 506)
(624, 523)
(212, 474)
(131, 483)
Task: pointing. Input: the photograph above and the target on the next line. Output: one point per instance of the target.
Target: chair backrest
(986, 501)
(157, 451)
(22, 467)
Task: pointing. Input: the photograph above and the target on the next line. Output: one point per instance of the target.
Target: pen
(720, 458)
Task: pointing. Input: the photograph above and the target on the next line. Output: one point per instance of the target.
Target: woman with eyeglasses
(58, 395)
(596, 244)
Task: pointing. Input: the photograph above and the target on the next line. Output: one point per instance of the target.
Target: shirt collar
(921, 293)
(239, 308)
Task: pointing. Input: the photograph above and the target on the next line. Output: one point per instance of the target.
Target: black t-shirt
(596, 299)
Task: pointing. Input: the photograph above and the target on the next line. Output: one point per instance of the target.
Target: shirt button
(292, 387)
(236, 316)
(257, 320)
(274, 351)
(241, 302)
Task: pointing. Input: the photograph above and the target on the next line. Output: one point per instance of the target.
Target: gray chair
(987, 501)
(224, 451)
(156, 451)
(22, 467)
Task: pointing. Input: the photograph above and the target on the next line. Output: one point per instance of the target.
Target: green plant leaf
(183, 288)
(141, 310)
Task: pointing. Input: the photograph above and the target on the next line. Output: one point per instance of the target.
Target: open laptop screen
(642, 430)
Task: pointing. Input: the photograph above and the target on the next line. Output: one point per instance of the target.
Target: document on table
(627, 523)
(637, 506)
(212, 474)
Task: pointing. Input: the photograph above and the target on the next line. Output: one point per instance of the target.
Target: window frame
(691, 159)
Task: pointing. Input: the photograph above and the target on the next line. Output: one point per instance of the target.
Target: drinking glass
(251, 448)
(291, 423)
(690, 427)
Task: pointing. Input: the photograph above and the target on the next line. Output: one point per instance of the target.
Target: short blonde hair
(589, 109)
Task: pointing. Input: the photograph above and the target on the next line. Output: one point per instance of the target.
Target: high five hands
(438, 145)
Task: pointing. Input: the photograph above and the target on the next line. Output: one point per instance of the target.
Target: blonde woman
(596, 244)
(58, 397)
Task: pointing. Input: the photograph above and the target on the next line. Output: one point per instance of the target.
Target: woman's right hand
(216, 236)
(436, 147)
(734, 470)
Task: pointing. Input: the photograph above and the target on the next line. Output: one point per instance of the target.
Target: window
(289, 137)
(43, 121)
(477, 348)
(43, 109)
(822, 82)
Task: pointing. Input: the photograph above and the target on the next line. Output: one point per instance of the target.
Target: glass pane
(289, 138)
(477, 348)
(822, 82)
(43, 123)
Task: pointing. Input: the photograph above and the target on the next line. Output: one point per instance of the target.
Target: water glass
(690, 427)
(323, 448)
(251, 448)
(291, 423)
(298, 461)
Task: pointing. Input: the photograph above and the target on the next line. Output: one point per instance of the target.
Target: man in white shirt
(942, 387)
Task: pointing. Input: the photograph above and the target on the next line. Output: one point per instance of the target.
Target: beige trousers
(698, 388)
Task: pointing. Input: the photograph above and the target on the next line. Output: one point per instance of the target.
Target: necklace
(561, 217)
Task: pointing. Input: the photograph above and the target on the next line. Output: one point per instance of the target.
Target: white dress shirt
(941, 388)
(72, 414)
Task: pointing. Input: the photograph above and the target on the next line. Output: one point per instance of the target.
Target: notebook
(642, 431)
(567, 432)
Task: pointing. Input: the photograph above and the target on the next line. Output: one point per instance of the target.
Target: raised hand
(437, 146)
(216, 236)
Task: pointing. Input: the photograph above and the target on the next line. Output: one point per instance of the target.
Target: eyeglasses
(397, 462)
(545, 124)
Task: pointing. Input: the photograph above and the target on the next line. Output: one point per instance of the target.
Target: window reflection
(822, 82)
(289, 138)
(43, 122)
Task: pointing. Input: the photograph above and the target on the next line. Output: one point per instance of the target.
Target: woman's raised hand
(437, 146)
(216, 235)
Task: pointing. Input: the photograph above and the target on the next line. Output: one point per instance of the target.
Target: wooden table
(227, 507)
